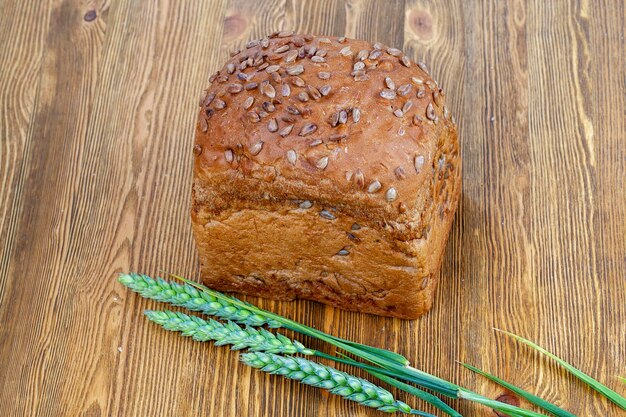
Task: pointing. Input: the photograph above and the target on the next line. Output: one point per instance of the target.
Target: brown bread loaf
(327, 169)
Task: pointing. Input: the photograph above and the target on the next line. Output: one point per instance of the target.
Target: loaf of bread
(326, 169)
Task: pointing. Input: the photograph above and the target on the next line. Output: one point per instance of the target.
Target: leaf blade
(605, 391)
(531, 398)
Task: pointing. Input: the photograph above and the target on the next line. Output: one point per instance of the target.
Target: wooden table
(98, 102)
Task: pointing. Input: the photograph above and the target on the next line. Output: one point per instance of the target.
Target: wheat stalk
(337, 382)
(255, 339)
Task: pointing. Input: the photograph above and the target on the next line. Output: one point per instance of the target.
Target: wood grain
(97, 112)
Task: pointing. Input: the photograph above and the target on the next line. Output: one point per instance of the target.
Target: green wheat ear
(597, 386)
(321, 376)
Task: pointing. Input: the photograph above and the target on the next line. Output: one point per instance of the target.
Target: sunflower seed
(295, 70)
(222, 78)
(288, 119)
(292, 156)
(417, 81)
(388, 94)
(394, 51)
(360, 76)
(421, 92)
(252, 43)
(253, 117)
(209, 113)
(438, 98)
(389, 83)
(322, 163)
(207, 100)
(359, 178)
(219, 104)
(343, 252)
(398, 113)
(431, 85)
(301, 52)
(308, 38)
(230, 68)
(418, 162)
(281, 49)
(276, 77)
(407, 106)
(250, 86)
(314, 92)
(285, 131)
(375, 54)
(307, 129)
(235, 52)
(312, 50)
(315, 142)
(417, 119)
(293, 110)
(284, 34)
(267, 89)
(323, 40)
(323, 75)
(263, 66)
(291, 56)
(401, 131)
(318, 59)
(242, 66)
(298, 82)
(242, 76)
(404, 89)
(272, 125)
(306, 204)
(303, 96)
(228, 155)
(405, 61)
(343, 117)
(430, 112)
(342, 39)
(322, 53)
(327, 215)
(248, 103)
(345, 51)
(374, 186)
(422, 66)
(356, 114)
(400, 173)
(203, 125)
(265, 43)
(358, 66)
(286, 90)
(234, 88)
(325, 90)
(391, 194)
(269, 107)
(337, 137)
(334, 119)
(356, 226)
(364, 53)
(256, 148)
(272, 68)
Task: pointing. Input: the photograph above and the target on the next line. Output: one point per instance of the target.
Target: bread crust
(299, 139)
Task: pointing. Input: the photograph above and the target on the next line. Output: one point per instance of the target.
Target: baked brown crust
(301, 135)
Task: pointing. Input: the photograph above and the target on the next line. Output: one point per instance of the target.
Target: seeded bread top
(361, 121)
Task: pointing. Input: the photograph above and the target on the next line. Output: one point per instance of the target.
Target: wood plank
(23, 28)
